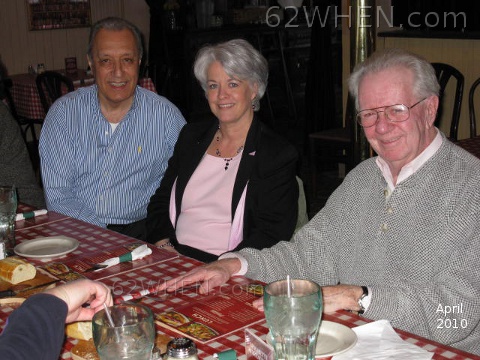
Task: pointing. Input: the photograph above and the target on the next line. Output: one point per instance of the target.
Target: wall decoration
(58, 14)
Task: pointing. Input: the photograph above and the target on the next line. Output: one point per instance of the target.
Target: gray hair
(425, 81)
(239, 59)
(117, 24)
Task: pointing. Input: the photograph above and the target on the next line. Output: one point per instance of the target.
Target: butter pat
(14, 270)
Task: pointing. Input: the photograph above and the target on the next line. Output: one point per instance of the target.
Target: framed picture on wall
(58, 14)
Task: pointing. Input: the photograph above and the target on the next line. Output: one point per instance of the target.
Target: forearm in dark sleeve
(36, 330)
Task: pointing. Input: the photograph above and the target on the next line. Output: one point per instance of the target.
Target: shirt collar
(410, 168)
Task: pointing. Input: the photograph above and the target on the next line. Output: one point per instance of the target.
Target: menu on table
(228, 309)
(69, 269)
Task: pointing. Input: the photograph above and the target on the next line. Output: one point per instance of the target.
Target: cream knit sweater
(418, 250)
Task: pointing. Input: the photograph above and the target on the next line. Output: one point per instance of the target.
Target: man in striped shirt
(104, 148)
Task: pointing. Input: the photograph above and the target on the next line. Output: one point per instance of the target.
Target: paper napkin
(378, 341)
(139, 253)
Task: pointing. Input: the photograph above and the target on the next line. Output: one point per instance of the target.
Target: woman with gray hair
(230, 184)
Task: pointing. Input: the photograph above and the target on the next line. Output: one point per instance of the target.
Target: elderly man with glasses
(400, 237)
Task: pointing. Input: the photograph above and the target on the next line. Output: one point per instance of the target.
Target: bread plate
(46, 247)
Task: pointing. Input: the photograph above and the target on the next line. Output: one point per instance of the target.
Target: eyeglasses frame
(359, 121)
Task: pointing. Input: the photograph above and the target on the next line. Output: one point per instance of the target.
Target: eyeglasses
(394, 113)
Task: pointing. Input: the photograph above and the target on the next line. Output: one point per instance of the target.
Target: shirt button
(105, 174)
(390, 210)
(384, 227)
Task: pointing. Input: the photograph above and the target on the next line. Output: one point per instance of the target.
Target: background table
(93, 238)
(472, 145)
(27, 101)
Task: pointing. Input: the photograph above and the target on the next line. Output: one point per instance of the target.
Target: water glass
(8, 210)
(132, 336)
(293, 309)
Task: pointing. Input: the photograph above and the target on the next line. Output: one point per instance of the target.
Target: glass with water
(293, 309)
(132, 336)
(8, 211)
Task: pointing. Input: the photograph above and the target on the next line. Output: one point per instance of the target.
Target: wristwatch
(362, 299)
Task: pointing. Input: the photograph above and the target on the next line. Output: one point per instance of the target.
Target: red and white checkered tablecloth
(27, 101)
(93, 238)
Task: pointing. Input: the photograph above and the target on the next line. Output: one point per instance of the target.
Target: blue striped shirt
(101, 176)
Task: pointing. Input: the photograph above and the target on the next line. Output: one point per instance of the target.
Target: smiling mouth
(225, 106)
(118, 84)
(390, 141)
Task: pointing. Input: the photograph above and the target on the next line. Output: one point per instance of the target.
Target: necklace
(227, 160)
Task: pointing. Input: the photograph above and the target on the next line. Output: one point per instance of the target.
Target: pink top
(205, 218)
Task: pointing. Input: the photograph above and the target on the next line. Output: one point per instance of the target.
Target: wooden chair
(49, 85)
(471, 108)
(445, 73)
(333, 145)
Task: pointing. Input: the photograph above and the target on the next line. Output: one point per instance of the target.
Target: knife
(13, 293)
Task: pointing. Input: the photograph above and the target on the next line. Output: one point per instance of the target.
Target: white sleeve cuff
(244, 264)
(367, 299)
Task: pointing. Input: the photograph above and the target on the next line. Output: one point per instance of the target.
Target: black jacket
(271, 204)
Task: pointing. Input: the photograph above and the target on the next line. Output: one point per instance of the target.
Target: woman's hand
(80, 292)
(165, 244)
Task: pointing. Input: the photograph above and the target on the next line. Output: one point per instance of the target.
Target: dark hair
(115, 23)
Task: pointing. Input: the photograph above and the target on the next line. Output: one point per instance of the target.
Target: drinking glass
(132, 336)
(8, 210)
(293, 309)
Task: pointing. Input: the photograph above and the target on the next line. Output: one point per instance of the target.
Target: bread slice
(14, 270)
(81, 330)
(84, 350)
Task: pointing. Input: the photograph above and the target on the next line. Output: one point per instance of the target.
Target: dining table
(165, 266)
(27, 100)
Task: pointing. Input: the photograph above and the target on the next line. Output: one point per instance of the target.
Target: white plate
(46, 247)
(334, 339)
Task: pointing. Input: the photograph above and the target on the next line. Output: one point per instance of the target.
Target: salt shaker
(40, 68)
(181, 348)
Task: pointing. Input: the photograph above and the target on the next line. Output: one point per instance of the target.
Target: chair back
(49, 85)
(445, 73)
(471, 107)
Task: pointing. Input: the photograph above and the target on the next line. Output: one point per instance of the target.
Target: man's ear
(89, 62)
(431, 110)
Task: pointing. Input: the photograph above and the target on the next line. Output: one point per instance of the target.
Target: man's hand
(341, 297)
(210, 275)
(80, 292)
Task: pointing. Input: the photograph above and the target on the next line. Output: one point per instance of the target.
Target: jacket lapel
(247, 162)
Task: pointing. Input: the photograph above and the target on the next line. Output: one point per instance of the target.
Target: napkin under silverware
(138, 253)
(379, 341)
